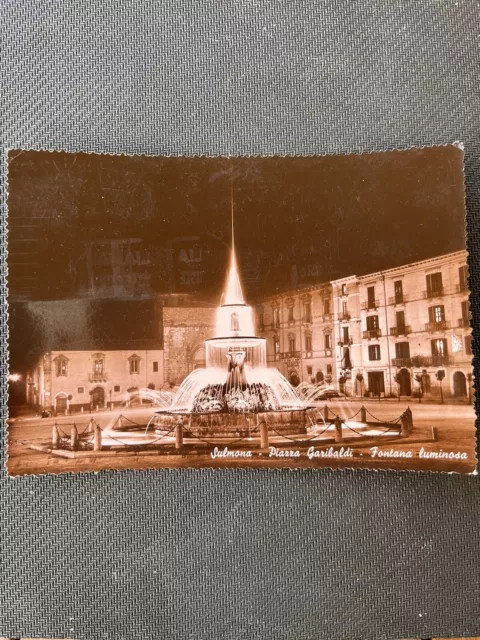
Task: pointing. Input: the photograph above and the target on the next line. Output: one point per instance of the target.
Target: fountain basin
(234, 425)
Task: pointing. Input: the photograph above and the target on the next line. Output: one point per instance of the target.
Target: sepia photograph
(300, 312)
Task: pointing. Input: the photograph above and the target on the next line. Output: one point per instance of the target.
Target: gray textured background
(242, 554)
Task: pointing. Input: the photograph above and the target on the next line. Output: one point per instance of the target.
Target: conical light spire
(233, 292)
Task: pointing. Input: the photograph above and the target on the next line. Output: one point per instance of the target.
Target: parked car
(329, 394)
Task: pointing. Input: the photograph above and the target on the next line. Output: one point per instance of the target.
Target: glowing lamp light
(14, 377)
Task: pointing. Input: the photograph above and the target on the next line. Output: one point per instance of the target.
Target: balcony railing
(372, 333)
(398, 299)
(436, 361)
(288, 355)
(97, 376)
(434, 293)
(437, 326)
(327, 317)
(401, 330)
(422, 361)
(343, 317)
(370, 304)
(464, 322)
(402, 362)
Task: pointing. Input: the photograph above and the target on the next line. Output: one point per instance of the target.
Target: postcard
(263, 312)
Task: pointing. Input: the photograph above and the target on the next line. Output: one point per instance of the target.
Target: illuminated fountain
(237, 396)
(236, 382)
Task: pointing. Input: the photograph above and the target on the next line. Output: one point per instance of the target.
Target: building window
(308, 343)
(398, 290)
(437, 313)
(402, 350)
(326, 306)
(290, 314)
(462, 278)
(465, 313)
(81, 390)
(344, 289)
(307, 312)
(155, 367)
(309, 371)
(439, 347)
(374, 352)
(328, 341)
(116, 388)
(372, 323)
(134, 364)
(276, 317)
(61, 366)
(346, 335)
(400, 315)
(329, 369)
(434, 284)
(98, 360)
(276, 345)
(371, 297)
(291, 344)
(345, 309)
(468, 345)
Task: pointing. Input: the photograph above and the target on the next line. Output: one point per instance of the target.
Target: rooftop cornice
(419, 264)
(353, 278)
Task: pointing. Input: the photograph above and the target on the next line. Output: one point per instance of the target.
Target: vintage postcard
(239, 312)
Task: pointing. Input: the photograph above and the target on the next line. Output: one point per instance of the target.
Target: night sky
(298, 221)
(349, 214)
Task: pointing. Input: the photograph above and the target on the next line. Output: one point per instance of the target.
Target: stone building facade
(404, 330)
(72, 380)
(85, 380)
(185, 330)
(299, 329)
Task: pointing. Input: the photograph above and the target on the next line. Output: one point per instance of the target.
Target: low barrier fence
(403, 425)
(78, 437)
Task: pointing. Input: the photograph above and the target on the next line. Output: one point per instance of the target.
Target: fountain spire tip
(233, 293)
(231, 210)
